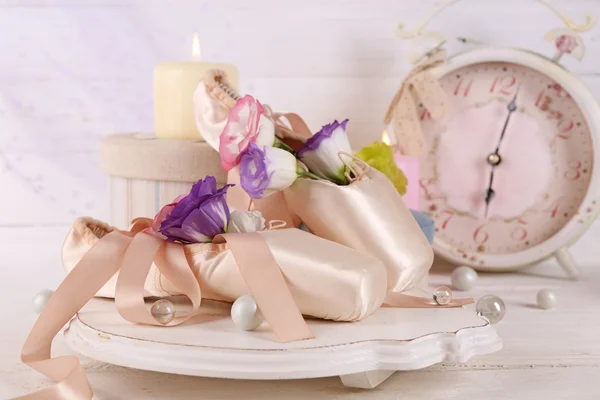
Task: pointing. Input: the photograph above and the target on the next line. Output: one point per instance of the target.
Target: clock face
(498, 181)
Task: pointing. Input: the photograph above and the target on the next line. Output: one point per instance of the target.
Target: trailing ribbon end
(131, 253)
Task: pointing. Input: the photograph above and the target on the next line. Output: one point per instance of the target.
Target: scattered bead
(41, 299)
(546, 299)
(245, 314)
(163, 311)
(491, 307)
(442, 295)
(464, 278)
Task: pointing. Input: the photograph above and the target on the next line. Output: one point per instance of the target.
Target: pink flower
(246, 124)
(161, 216)
(566, 43)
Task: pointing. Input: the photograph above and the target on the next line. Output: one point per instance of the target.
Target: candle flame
(196, 47)
(385, 137)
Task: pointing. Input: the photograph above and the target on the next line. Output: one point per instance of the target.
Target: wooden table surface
(547, 354)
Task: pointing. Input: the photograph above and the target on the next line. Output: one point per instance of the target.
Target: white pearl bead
(442, 295)
(546, 299)
(41, 299)
(464, 278)
(163, 311)
(245, 314)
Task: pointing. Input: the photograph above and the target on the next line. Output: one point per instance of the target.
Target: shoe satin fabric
(326, 279)
(368, 215)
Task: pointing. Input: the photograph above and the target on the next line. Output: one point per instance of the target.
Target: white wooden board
(362, 353)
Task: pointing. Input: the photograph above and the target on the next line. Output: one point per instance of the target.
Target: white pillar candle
(174, 86)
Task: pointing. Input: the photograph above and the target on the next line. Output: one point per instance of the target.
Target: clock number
(543, 101)
(464, 89)
(503, 84)
(425, 114)
(449, 215)
(574, 171)
(424, 184)
(519, 233)
(480, 236)
(564, 129)
(553, 208)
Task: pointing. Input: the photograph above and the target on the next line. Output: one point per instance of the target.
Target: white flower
(266, 170)
(249, 221)
(321, 152)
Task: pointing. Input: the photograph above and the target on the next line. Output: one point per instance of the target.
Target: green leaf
(381, 157)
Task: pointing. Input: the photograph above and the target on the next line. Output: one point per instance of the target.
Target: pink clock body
(545, 168)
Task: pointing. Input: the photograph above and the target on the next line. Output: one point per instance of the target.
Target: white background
(72, 71)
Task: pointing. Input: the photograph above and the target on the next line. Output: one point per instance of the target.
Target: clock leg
(565, 260)
(365, 380)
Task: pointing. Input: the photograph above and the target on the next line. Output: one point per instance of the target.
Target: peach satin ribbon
(133, 253)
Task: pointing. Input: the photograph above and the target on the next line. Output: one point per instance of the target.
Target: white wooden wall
(72, 71)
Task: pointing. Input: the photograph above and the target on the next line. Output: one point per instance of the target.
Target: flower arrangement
(268, 165)
(201, 215)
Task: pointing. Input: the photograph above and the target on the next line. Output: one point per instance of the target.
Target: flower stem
(280, 145)
(310, 175)
(303, 173)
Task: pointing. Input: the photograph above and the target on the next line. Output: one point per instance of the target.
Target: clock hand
(494, 159)
(512, 107)
(489, 193)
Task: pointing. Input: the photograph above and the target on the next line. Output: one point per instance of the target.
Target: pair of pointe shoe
(327, 280)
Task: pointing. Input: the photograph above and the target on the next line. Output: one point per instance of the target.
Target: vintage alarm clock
(507, 146)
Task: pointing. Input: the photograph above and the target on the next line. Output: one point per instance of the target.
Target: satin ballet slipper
(367, 215)
(327, 280)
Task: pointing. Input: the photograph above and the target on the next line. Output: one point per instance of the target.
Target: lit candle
(174, 86)
(410, 167)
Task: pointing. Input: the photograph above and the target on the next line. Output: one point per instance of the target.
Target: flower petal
(248, 221)
(254, 178)
(200, 215)
(241, 129)
(265, 170)
(321, 152)
(201, 190)
(176, 234)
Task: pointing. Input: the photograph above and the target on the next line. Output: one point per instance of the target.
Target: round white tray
(362, 353)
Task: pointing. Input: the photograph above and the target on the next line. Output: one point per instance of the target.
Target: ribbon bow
(403, 113)
(131, 253)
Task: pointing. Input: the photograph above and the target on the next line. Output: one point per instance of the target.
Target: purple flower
(199, 216)
(263, 171)
(320, 153)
